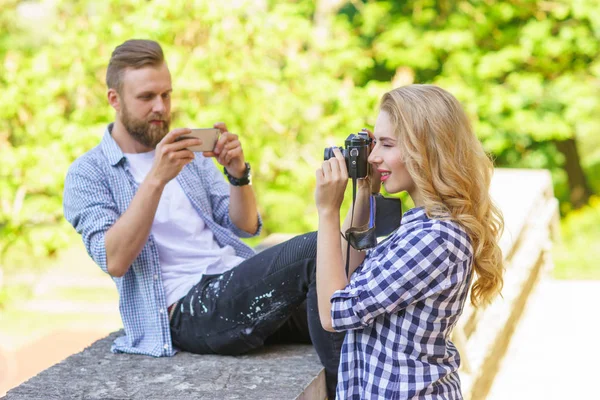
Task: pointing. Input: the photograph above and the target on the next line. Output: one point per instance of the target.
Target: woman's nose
(374, 158)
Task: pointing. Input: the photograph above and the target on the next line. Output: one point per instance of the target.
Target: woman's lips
(384, 175)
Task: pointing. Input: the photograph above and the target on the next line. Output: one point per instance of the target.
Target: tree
(527, 71)
(258, 68)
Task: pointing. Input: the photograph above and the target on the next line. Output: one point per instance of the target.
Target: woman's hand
(373, 181)
(332, 179)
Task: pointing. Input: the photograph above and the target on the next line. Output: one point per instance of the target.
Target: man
(162, 221)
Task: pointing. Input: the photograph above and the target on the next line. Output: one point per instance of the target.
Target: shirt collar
(110, 148)
(419, 214)
(414, 214)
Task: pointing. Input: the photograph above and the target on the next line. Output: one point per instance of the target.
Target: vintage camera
(356, 153)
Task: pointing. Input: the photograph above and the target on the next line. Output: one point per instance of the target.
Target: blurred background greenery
(292, 77)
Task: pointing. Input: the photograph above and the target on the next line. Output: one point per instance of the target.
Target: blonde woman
(404, 296)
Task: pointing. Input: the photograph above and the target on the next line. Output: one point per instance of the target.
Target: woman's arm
(331, 275)
(361, 217)
(332, 179)
(364, 188)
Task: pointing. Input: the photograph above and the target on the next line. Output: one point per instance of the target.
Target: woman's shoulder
(445, 232)
(454, 236)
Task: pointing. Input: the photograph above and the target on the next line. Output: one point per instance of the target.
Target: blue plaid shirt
(98, 189)
(399, 309)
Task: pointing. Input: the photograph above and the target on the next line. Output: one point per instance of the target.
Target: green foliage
(290, 77)
(261, 69)
(527, 71)
(576, 255)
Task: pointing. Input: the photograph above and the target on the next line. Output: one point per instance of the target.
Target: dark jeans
(269, 298)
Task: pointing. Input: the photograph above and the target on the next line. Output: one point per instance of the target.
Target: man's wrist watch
(244, 180)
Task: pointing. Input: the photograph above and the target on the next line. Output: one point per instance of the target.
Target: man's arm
(89, 207)
(242, 208)
(126, 238)
(242, 202)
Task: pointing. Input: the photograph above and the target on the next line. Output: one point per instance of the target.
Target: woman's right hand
(373, 181)
(332, 179)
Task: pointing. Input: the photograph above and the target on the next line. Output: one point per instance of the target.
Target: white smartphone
(209, 137)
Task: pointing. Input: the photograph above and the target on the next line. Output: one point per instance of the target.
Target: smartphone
(208, 136)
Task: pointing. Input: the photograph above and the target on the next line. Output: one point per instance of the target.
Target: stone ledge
(273, 372)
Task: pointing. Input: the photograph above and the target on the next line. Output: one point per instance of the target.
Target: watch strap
(242, 181)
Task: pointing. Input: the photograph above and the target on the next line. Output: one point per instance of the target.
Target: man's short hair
(135, 53)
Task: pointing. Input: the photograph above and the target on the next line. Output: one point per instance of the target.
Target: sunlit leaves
(290, 83)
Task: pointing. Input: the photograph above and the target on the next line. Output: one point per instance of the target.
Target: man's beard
(143, 131)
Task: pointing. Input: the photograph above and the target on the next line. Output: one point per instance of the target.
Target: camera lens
(329, 152)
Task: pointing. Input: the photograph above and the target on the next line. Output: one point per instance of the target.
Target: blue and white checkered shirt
(98, 189)
(399, 309)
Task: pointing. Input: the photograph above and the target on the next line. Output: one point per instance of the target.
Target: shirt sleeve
(218, 191)
(414, 268)
(89, 206)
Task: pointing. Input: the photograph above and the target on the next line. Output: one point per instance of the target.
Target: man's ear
(114, 99)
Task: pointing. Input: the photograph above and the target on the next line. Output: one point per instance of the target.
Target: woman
(404, 296)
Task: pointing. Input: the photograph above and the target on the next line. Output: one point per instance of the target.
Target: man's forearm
(126, 238)
(242, 208)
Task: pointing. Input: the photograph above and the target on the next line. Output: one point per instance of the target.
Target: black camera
(356, 153)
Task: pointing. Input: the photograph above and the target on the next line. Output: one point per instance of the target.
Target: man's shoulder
(92, 160)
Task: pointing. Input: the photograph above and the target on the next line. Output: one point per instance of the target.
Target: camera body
(356, 153)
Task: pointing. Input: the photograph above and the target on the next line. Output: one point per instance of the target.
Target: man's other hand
(228, 152)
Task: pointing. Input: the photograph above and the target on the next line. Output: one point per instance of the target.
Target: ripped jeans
(269, 298)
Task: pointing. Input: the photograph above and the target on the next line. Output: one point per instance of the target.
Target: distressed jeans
(269, 298)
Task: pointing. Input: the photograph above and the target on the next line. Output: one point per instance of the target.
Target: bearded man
(163, 223)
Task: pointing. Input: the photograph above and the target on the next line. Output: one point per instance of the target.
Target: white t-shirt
(186, 247)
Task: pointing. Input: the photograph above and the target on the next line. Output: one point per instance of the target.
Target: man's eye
(166, 95)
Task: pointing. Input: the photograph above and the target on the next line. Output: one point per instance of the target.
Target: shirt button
(155, 277)
(162, 310)
(166, 346)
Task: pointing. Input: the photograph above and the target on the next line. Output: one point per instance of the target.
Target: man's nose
(159, 106)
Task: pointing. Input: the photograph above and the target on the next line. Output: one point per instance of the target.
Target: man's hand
(228, 152)
(171, 155)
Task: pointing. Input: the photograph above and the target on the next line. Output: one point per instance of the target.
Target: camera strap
(360, 239)
(385, 218)
(351, 223)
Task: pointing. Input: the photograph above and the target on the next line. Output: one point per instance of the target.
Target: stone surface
(274, 372)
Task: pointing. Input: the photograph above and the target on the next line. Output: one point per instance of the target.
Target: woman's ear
(114, 99)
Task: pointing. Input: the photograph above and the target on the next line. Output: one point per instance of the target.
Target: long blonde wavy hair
(452, 173)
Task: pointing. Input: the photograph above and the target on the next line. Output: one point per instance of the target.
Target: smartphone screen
(208, 136)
